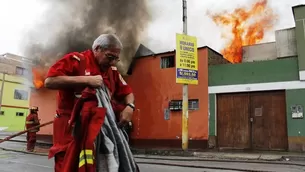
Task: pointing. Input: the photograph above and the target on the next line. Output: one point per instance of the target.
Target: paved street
(15, 162)
(221, 166)
(159, 168)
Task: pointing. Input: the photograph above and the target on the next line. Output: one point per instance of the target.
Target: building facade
(259, 104)
(15, 92)
(158, 118)
(155, 125)
(45, 99)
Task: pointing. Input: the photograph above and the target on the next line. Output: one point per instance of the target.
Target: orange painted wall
(46, 101)
(155, 87)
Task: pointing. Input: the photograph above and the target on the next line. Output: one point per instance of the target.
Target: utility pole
(2, 88)
(185, 90)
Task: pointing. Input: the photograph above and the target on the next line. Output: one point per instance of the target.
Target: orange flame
(38, 76)
(248, 28)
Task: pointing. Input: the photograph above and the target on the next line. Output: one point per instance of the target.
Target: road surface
(15, 162)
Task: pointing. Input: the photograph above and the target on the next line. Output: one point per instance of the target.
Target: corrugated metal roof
(142, 51)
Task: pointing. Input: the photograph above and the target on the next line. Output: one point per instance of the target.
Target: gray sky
(17, 16)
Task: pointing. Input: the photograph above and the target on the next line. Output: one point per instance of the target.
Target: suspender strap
(112, 83)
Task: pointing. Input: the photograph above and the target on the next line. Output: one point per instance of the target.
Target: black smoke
(72, 25)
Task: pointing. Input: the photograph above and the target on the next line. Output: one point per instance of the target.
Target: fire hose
(22, 132)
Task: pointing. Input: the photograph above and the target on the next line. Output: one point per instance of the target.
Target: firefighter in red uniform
(32, 121)
(70, 76)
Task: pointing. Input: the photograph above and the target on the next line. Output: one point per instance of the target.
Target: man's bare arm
(60, 82)
(129, 98)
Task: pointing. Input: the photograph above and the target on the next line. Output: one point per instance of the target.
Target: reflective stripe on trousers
(85, 157)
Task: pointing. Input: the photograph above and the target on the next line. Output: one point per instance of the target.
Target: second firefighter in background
(32, 121)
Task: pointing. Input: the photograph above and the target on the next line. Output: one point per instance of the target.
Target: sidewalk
(21, 147)
(18, 144)
(264, 156)
(21, 138)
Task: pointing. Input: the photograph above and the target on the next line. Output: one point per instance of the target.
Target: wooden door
(255, 120)
(268, 116)
(233, 127)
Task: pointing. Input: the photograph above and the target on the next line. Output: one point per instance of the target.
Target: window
(193, 104)
(1, 113)
(176, 105)
(19, 114)
(20, 95)
(21, 71)
(167, 62)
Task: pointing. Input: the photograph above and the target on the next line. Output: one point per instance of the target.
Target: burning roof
(248, 27)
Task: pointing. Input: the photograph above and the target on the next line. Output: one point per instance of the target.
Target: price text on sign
(186, 59)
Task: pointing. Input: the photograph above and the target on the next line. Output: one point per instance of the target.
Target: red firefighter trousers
(31, 140)
(61, 139)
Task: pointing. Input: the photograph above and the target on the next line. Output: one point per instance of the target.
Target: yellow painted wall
(11, 106)
(12, 122)
(8, 95)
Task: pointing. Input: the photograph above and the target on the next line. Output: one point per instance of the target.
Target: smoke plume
(72, 25)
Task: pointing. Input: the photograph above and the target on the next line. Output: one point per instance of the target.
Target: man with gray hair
(73, 74)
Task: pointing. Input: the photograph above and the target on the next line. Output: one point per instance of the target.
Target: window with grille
(167, 62)
(20, 95)
(193, 104)
(176, 105)
(19, 114)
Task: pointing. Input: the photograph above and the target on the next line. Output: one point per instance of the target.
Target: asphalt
(15, 161)
(42, 149)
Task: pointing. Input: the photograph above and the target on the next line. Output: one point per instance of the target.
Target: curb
(199, 166)
(180, 153)
(25, 152)
(294, 158)
(278, 162)
(24, 141)
(256, 157)
(195, 153)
